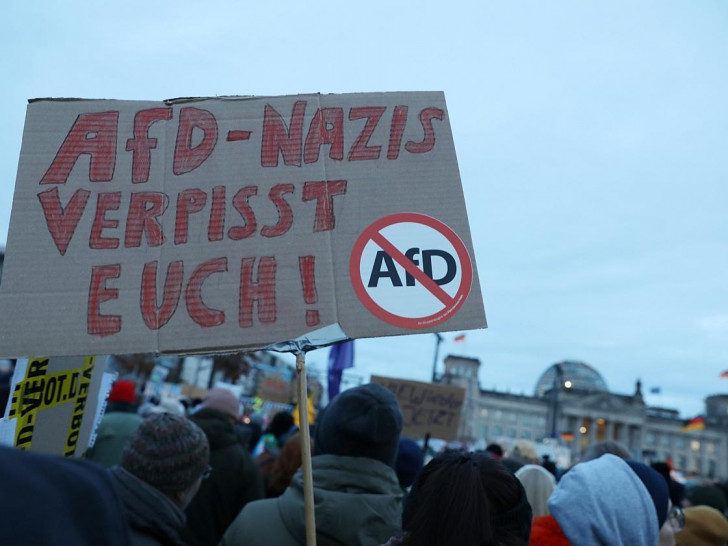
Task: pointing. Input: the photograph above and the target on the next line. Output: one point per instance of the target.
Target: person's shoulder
(121, 418)
(77, 472)
(255, 524)
(260, 508)
(50, 484)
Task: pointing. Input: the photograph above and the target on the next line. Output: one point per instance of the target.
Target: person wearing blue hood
(607, 501)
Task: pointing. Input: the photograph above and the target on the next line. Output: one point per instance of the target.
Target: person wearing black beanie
(658, 489)
(410, 460)
(361, 422)
(676, 489)
(358, 500)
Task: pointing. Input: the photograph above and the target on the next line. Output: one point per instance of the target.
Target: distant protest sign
(274, 384)
(427, 408)
(212, 225)
(54, 404)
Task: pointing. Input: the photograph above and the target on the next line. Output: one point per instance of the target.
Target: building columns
(592, 431)
(635, 445)
(609, 431)
(623, 436)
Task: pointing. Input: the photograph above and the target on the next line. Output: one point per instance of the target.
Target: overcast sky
(592, 139)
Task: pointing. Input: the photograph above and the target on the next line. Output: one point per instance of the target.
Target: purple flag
(341, 357)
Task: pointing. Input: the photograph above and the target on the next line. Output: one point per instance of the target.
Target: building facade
(572, 405)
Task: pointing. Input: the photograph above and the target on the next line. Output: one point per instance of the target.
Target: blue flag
(655, 390)
(341, 357)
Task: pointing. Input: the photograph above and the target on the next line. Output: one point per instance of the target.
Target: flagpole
(305, 432)
(437, 352)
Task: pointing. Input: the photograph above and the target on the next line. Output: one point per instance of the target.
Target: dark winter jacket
(154, 520)
(235, 481)
(57, 502)
(357, 502)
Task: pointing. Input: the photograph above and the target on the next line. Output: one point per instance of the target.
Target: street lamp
(555, 388)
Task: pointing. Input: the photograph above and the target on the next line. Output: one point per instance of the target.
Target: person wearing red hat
(117, 425)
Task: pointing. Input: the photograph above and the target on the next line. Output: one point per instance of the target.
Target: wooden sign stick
(305, 450)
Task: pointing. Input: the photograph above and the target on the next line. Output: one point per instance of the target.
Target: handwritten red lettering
(285, 212)
(428, 140)
(98, 324)
(145, 208)
(141, 144)
(360, 151)
(186, 156)
(155, 317)
(279, 139)
(327, 127)
(199, 312)
(62, 221)
(262, 291)
(105, 202)
(93, 134)
(323, 193)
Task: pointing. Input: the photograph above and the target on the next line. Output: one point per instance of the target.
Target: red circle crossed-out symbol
(449, 304)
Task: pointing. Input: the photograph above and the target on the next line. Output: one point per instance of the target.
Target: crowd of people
(195, 474)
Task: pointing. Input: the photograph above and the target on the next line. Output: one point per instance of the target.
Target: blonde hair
(539, 483)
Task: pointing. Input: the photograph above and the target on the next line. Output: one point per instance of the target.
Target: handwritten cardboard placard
(210, 225)
(426, 407)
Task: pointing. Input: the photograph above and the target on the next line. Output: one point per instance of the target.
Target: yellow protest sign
(53, 404)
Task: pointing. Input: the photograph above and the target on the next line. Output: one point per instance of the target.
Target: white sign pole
(306, 450)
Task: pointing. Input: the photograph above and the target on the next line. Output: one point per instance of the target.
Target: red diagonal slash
(412, 269)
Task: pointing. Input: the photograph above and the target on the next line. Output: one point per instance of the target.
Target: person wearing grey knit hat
(161, 470)
(357, 495)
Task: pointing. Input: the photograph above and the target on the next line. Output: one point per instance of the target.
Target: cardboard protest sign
(274, 384)
(107, 381)
(193, 391)
(162, 390)
(426, 407)
(54, 404)
(211, 225)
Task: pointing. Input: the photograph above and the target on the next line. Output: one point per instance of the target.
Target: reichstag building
(572, 405)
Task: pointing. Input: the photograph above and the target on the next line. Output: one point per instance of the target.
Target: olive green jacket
(358, 502)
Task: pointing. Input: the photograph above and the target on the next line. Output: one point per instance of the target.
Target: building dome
(576, 375)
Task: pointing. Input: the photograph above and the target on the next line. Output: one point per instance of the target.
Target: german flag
(567, 436)
(724, 374)
(697, 423)
(461, 338)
